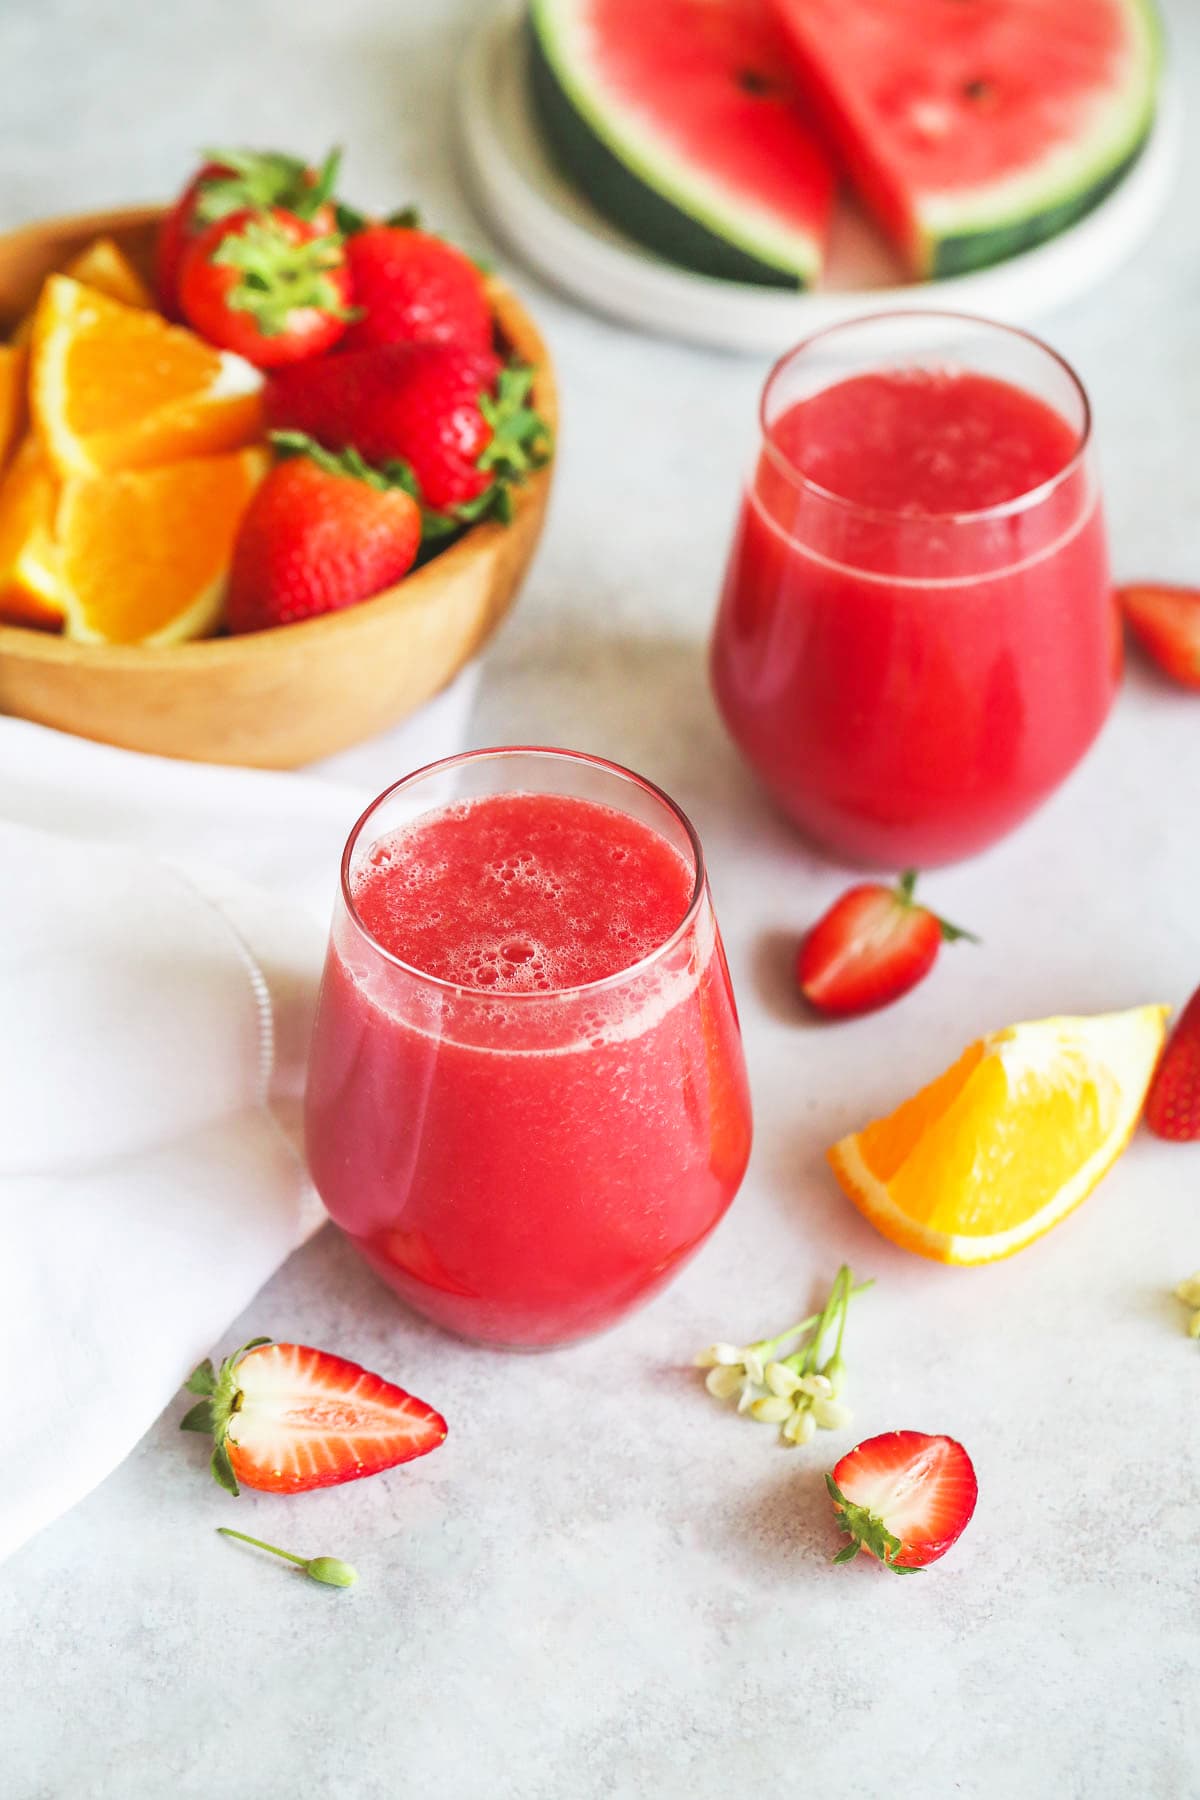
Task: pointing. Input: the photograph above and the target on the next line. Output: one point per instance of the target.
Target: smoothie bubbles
(527, 1103)
(917, 638)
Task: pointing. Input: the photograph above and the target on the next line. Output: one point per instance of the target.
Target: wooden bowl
(272, 699)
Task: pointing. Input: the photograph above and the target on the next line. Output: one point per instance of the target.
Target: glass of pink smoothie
(527, 1103)
(917, 638)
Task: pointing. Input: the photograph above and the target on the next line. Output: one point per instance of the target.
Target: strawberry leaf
(202, 1379)
(198, 1418)
(867, 1532)
(257, 180)
(277, 277)
(382, 476)
(406, 218)
(222, 1471)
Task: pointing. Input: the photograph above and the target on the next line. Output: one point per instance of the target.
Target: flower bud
(772, 1409)
(835, 1374)
(332, 1571)
(753, 1365)
(1189, 1291)
(1194, 1325)
(831, 1415)
(719, 1355)
(781, 1379)
(801, 1427)
(723, 1382)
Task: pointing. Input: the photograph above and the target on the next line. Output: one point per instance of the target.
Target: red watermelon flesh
(723, 95)
(683, 121)
(974, 127)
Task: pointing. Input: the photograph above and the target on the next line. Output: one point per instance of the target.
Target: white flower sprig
(1189, 1292)
(796, 1391)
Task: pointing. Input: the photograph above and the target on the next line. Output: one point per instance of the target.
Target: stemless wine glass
(911, 683)
(525, 1167)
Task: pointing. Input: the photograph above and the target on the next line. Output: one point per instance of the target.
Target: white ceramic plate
(544, 220)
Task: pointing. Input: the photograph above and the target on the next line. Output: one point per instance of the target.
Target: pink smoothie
(910, 683)
(522, 1153)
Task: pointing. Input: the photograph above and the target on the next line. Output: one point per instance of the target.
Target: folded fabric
(161, 932)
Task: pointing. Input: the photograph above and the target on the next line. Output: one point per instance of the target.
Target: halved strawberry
(1166, 622)
(903, 1497)
(1173, 1107)
(872, 945)
(285, 1418)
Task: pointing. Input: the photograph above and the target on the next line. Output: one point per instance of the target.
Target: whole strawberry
(411, 287)
(459, 418)
(1173, 1107)
(321, 533)
(872, 946)
(270, 286)
(231, 181)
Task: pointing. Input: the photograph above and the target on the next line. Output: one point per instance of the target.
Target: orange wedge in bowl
(13, 370)
(144, 554)
(1008, 1140)
(30, 588)
(116, 387)
(104, 266)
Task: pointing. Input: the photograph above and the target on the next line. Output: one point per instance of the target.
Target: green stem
(844, 1278)
(228, 1531)
(766, 1345)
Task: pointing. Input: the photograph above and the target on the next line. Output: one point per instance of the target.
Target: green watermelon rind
(965, 233)
(646, 190)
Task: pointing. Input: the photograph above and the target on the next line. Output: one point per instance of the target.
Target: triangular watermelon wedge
(680, 121)
(975, 128)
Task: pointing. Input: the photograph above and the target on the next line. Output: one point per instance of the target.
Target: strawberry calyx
(521, 442)
(383, 477)
(278, 276)
(904, 891)
(866, 1531)
(222, 1399)
(260, 179)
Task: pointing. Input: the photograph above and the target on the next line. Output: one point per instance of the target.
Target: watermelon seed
(753, 82)
(982, 91)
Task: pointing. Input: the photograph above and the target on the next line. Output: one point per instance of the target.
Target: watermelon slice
(975, 128)
(680, 121)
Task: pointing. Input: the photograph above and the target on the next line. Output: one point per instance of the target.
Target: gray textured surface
(602, 1587)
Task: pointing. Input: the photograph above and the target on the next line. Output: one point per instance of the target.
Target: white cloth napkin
(161, 932)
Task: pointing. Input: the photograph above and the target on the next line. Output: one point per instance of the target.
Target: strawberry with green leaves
(870, 947)
(321, 533)
(904, 1498)
(269, 286)
(413, 288)
(231, 181)
(284, 1418)
(461, 419)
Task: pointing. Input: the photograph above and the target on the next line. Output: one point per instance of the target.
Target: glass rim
(1002, 509)
(549, 753)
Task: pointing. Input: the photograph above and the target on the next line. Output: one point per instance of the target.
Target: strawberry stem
(277, 277)
(329, 1569)
(951, 934)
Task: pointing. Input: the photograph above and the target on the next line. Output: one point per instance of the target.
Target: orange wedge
(30, 589)
(114, 387)
(103, 266)
(1009, 1140)
(144, 553)
(13, 368)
